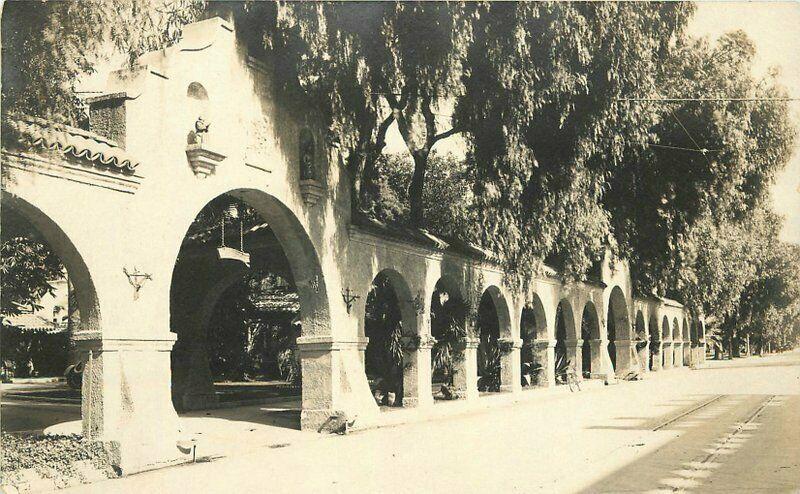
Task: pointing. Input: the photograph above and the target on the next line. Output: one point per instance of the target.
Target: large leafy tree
(545, 125)
(49, 45)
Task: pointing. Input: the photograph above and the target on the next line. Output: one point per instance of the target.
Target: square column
(127, 401)
(465, 368)
(334, 387)
(643, 354)
(677, 350)
(668, 353)
(575, 356)
(545, 355)
(601, 363)
(687, 353)
(623, 356)
(510, 364)
(417, 390)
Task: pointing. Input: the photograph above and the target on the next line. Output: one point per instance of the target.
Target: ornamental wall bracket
(349, 297)
(136, 278)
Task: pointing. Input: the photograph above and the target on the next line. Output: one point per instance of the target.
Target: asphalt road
(34, 407)
(734, 427)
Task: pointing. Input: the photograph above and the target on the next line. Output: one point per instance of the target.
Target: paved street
(734, 427)
(34, 407)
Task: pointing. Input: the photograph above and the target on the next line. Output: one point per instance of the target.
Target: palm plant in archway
(448, 314)
(383, 327)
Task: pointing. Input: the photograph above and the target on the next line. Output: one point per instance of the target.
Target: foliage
(49, 46)
(51, 456)
(27, 265)
(448, 313)
(383, 326)
(26, 353)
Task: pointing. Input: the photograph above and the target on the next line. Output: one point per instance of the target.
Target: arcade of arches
(382, 319)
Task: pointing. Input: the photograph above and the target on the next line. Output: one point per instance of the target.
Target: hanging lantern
(231, 212)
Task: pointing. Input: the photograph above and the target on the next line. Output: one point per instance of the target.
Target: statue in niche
(201, 128)
(307, 171)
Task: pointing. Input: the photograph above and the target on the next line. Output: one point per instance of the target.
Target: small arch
(388, 317)
(501, 308)
(665, 334)
(676, 329)
(307, 155)
(590, 330)
(448, 325)
(655, 341)
(533, 326)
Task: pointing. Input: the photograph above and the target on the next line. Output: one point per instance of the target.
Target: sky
(774, 27)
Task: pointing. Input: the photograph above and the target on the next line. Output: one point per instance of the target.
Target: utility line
(681, 100)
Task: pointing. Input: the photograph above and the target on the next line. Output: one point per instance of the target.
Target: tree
(48, 46)
(545, 126)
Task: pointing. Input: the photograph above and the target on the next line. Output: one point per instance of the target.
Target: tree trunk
(415, 190)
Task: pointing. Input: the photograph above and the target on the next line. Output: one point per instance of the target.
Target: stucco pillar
(575, 356)
(656, 349)
(417, 371)
(510, 365)
(601, 363)
(668, 354)
(623, 356)
(687, 353)
(127, 401)
(333, 382)
(465, 368)
(193, 385)
(677, 351)
(545, 355)
(643, 354)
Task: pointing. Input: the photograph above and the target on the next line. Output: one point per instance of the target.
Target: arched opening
(641, 342)
(533, 327)
(618, 325)
(666, 358)
(48, 300)
(385, 324)
(686, 350)
(246, 284)
(488, 329)
(655, 343)
(564, 320)
(448, 328)
(197, 116)
(590, 330)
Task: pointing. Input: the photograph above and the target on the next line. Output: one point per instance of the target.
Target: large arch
(90, 325)
(293, 256)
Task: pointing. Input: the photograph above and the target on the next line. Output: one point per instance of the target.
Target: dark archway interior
(655, 341)
(488, 349)
(589, 331)
(235, 308)
(383, 360)
(448, 316)
(528, 325)
(560, 352)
